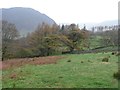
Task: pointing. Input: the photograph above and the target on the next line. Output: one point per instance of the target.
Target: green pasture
(82, 71)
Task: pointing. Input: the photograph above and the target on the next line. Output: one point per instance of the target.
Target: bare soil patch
(12, 63)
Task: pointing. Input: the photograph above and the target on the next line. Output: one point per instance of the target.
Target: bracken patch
(12, 63)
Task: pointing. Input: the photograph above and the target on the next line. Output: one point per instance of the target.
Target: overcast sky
(70, 11)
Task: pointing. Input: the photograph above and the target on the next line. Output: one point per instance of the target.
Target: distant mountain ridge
(25, 19)
(104, 23)
(108, 23)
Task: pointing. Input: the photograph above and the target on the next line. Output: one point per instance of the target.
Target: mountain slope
(25, 19)
(104, 23)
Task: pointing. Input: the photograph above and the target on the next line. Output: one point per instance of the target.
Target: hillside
(25, 19)
(104, 23)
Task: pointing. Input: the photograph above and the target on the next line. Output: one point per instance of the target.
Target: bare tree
(9, 34)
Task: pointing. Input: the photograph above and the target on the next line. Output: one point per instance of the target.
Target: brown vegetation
(33, 61)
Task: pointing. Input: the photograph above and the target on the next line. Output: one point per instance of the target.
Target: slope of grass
(95, 42)
(84, 71)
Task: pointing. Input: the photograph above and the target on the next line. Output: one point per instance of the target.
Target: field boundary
(95, 50)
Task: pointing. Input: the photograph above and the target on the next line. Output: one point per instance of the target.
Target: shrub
(106, 59)
(24, 53)
(69, 61)
(117, 75)
(89, 61)
(81, 61)
(113, 53)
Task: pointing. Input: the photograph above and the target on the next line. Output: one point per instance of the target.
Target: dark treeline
(50, 40)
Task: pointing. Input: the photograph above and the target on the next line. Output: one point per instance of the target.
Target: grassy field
(72, 71)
